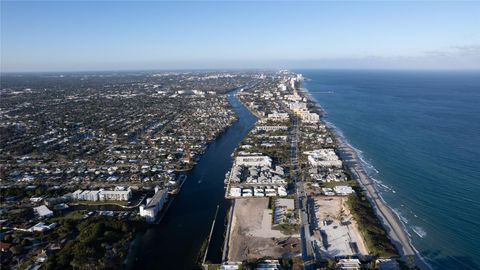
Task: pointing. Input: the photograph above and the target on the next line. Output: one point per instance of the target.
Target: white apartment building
(297, 106)
(253, 161)
(103, 195)
(323, 158)
(309, 117)
(271, 128)
(154, 205)
(343, 190)
(278, 116)
(89, 195)
(115, 195)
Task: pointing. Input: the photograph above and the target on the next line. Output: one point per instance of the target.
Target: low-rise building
(115, 195)
(278, 116)
(42, 227)
(253, 161)
(323, 158)
(348, 264)
(343, 190)
(42, 211)
(271, 128)
(90, 195)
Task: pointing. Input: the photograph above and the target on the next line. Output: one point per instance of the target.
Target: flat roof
(156, 198)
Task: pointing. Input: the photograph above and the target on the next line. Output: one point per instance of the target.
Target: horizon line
(235, 69)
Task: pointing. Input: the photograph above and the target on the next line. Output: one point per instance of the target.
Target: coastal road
(307, 249)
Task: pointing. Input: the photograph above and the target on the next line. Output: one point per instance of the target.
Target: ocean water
(418, 133)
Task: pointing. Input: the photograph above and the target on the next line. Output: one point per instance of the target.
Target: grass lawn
(288, 229)
(123, 203)
(74, 215)
(351, 183)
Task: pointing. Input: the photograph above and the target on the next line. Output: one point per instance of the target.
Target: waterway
(174, 243)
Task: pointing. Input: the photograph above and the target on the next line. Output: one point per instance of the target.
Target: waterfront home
(150, 210)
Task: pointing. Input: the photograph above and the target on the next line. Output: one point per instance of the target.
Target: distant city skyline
(108, 35)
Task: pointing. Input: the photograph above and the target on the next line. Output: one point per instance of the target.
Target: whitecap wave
(400, 216)
(380, 184)
(419, 231)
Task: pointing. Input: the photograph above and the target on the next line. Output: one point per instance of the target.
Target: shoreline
(395, 228)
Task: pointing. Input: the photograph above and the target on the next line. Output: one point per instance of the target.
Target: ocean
(418, 133)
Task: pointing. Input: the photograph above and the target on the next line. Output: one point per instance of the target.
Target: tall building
(154, 205)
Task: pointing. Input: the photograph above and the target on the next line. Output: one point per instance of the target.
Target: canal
(174, 243)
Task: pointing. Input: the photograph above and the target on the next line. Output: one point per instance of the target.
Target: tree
(16, 249)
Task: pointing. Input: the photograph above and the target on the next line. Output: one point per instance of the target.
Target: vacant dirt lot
(251, 234)
(339, 230)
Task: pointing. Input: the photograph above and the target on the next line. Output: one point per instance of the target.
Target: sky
(128, 35)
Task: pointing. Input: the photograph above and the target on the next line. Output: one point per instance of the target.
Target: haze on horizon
(107, 35)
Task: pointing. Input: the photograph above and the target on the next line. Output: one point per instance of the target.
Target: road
(308, 254)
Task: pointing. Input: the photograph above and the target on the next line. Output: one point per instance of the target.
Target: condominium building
(150, 210)
(115, 195)
(253, 161)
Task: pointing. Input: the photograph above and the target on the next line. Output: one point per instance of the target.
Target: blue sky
(116, 35)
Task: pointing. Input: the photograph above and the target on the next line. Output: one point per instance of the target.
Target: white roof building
(116, 195)
(282, 191)
(309, 117)
(154, 205)
(253, 161)
(343, 190)
(278, 116)
(41, 227)
(323, 158)
(348, 264)
(43, 211)
(235, 192)
(271, 128)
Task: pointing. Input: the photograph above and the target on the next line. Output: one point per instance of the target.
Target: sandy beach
(390, 220)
